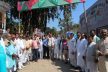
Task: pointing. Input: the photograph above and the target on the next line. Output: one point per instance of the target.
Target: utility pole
(86, 20)
(19, 24)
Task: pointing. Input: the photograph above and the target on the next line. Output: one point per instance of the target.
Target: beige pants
(103, 64)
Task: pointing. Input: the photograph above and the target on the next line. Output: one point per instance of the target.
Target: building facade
(97, 17)
(4, 7)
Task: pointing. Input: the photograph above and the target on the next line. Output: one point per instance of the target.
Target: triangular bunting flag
(54, 1)
(82, 0)
(41, 2)
(69, 1)
(33, 4)
(30, 3)
(19, 6)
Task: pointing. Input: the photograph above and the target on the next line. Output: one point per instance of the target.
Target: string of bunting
(33, 4)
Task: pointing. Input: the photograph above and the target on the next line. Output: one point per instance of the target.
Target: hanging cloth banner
(69, 1)
(41, 2)
(33, 4)
(19, 7)
(54, 2)
(82, 0)
(30, 3)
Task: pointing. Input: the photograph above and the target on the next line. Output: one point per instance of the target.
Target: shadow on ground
(63, 67)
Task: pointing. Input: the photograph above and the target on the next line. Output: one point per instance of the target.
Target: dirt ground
(48, 66)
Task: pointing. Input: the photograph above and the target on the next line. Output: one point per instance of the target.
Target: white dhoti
(56, 53)
(91, 67)
(80, 61)
(90, 53)
(72, 58)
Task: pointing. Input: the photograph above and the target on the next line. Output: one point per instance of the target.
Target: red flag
(82, 0)
(69, 1)
(33, 1)
(19, 6)
(30, 3)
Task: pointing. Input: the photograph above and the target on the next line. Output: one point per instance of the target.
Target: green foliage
(51, 30)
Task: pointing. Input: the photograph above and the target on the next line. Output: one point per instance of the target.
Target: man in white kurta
(40, 48)
(78, 48)
(81, 50)
(51, 42)
(56, 49)
(72, 50)
(18, 45)
(90, 54)
(102, 51)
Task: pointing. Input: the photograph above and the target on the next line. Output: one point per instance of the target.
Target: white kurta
(41, 49)
(90, 58)
(22, 48)
(51, 41)
(60, 55)
(24, 59)
(96, 39)
(56, 49)
(18, 46)
(72, 51)
(80, 53)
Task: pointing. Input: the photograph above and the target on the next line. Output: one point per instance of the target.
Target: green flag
(41, 2)
(54, 2)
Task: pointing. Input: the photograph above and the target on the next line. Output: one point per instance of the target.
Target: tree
(37, 18)
(66, 24)
(75, 28)
(52, 30)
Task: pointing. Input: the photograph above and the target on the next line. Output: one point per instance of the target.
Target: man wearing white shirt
(95, 37)
(19, 47)
(51, 42)
(78, 48)
(72, 50)
(56, 49)
(90, 56)
(82, 48)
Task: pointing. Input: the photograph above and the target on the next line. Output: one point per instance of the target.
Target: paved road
(47, 66)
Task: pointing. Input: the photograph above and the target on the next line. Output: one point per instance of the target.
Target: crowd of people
(88, 53)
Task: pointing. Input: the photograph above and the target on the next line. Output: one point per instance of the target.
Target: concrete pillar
(4, 22)
(3, 8)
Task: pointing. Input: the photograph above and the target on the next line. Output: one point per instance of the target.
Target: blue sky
(75, 14)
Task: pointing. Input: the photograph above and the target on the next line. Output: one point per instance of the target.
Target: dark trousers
(51, 51)
(45, 52)
(35, 54)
